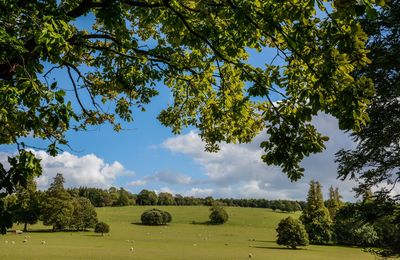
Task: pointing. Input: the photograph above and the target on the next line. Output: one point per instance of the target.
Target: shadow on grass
(51, 231)
(207, 223)
(141, 224)
(262, 241)
(279, 248)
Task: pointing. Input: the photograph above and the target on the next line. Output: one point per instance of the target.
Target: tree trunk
(25, 227)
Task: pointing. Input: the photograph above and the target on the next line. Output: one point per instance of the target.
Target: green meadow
(248, 231)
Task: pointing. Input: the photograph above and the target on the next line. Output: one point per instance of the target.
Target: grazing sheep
(131, 249)
(250, 255)
(13, 242)
(43, 242)
(6, 241)
(25, 240)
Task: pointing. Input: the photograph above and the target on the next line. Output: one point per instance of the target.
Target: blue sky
(149, 156)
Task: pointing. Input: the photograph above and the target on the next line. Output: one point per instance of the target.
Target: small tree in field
(218, 215)
(102, 228)
(155, 217)
(291, 233)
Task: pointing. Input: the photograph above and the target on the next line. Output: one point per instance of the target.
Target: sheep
(25, 240)
(250, 255)
(13, 242)
(43, 242)
(6, 242)
(131, 249)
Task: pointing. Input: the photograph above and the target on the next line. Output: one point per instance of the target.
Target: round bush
(218, 215)
(102, 228)
(291, 233)
(155, 217)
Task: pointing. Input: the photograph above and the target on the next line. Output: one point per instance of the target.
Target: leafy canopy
(199, 49)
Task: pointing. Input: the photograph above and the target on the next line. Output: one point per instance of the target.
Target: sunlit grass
(248, 231)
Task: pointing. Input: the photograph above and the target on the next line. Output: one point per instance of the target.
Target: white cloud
(172, 178)
(199, 192)
(88, 170)
(137, 183)
(238, 171)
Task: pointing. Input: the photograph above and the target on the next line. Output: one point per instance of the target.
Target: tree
(102, 228)
(291, 233)
(123, 199)
(200, 51)
(84, 215)
(165, 198)
(27, 208)
(315, 217)
(334, 203)
(363, 224)
(374, 162)
(155, 217)
(218, 215)
(146, 197)
(375, 159)
(57, 205)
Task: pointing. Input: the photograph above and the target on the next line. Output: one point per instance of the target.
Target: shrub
(218, 215)
(102, 228)
(291, 233)
(366, 235)
(155, 217)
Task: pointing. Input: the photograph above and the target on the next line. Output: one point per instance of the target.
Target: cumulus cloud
(87, 170)
(238, 171)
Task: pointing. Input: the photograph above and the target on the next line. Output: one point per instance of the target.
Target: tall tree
(315, 217)
(375, 161)
(198, 49)
(334, 202)
(84, 215)
(57, 206)
(27, 208)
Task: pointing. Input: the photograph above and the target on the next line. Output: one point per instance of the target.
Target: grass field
(247, 231)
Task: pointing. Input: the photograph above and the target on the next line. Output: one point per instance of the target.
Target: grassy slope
(247, 231)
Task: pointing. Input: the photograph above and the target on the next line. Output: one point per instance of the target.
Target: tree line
(121, 197)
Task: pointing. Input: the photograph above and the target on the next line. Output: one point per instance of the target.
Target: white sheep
(250, 255)
(13, 242)
(6, 241)
(131, 249)
(43, 242)
(25, 240)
